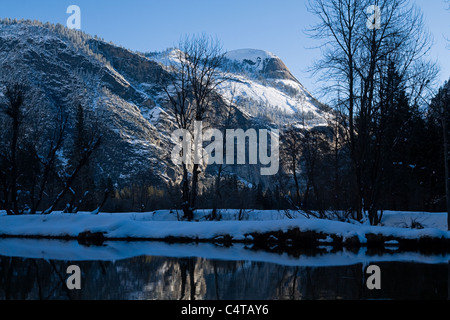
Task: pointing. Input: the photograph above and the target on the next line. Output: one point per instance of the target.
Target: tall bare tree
(191, 92)
(360, 40)
(445, 114)
(444, 119)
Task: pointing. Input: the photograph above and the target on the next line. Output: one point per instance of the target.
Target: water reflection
(189, 278)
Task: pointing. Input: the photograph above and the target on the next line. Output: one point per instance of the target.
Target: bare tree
(191, 91)
(67, 179)
(356, 55)
(49, 159)
(444, 118)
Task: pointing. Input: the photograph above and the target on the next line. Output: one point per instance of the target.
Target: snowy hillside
(262, 82)
(122, 91)
(263, 87)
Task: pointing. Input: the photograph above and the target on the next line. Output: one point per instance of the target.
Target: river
(37, 270)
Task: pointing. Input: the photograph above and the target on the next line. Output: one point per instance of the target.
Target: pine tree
(440, 113)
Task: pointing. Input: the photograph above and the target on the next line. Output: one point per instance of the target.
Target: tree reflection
(187, 267)
(160, 278)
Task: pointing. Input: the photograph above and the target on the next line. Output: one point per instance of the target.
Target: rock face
(122, 91)
(267, 64)
(276, 69)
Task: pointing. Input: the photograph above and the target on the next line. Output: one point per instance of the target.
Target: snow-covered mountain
(122, 90)
(261, 80)
(262, 86)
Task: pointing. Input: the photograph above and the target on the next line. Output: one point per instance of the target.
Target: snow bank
(161, 225)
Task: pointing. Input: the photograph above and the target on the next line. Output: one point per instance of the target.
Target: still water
(37, 270)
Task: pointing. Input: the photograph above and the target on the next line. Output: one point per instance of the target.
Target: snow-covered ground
(160, 225)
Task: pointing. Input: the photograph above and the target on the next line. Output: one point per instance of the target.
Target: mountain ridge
(122, 89)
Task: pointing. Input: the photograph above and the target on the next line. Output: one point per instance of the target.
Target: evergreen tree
(397, 122)
(440, 117)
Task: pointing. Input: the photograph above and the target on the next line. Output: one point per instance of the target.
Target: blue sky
(154, 25)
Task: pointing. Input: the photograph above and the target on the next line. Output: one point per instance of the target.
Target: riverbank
(263, 228)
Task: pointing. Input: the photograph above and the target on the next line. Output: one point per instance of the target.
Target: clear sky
(273, 25)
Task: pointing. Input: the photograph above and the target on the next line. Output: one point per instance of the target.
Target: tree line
(380, 79)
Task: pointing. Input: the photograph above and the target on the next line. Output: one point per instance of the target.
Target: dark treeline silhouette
(320, 165)
(316, 172)
(379, 74)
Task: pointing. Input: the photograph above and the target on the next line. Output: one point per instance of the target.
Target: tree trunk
(306, 196)
(187, 211)
(297, 186)
(336, 171)
(194, 190)
(15, 137)
(216, 193)
(447, 177)
(353, 141)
